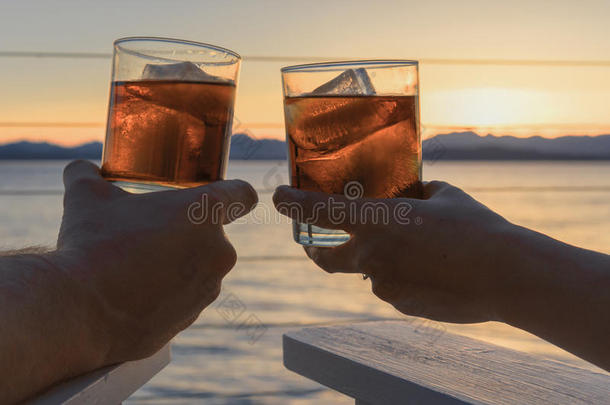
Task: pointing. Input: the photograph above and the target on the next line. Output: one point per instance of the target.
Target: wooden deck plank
(403, 362)
(109, 385)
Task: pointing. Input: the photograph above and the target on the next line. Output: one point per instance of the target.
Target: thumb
(221, 202)
(331, 211)
(79, 170)
(82, 179)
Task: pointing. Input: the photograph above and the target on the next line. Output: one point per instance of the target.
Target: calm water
(277, 289)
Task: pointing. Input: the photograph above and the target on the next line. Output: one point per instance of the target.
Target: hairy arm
(48, 328)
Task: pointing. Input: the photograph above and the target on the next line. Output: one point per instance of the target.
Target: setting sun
(487, 107)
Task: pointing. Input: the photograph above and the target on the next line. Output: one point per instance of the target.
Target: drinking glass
(352, 128)
(170, 113)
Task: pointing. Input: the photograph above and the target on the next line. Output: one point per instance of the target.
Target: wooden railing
(110, 385)
(402, 363)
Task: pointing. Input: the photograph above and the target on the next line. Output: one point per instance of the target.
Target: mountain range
(470, 146)
(453, 146)
(44, 150)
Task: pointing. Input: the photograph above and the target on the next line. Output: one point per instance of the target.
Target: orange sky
(64, 100)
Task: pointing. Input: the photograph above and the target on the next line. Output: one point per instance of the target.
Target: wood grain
(407, 363)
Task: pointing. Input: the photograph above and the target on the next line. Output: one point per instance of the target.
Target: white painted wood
(406, 363)
(109, 385)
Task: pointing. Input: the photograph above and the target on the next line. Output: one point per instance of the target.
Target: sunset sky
(557, 81)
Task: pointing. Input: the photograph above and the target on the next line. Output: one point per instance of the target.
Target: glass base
(139, 188)
(311, 235)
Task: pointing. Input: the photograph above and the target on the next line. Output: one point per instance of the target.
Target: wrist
(86, 313)
(514, 272)
(529, 274)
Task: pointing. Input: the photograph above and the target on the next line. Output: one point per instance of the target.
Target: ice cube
(205, 101)
(187, 71)
(385, 163)
(354, 82)
(150, 134)
(328, 124)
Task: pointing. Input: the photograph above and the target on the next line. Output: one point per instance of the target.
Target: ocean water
(219, 361)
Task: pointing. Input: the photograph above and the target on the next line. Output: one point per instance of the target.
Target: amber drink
(356, 134)
(169, 120)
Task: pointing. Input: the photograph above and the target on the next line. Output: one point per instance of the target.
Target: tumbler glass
(170, 113)
(352, 128)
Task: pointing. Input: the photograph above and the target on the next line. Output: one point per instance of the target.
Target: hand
(148, 269)
(450, 267)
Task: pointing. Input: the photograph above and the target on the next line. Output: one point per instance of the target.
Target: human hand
(450, 267)
(148, 269)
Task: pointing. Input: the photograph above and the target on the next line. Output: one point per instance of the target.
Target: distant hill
(43, 150)
(470, 146)
(453, 146)
(244, 147)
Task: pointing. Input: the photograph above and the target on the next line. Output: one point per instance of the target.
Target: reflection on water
(219, 360)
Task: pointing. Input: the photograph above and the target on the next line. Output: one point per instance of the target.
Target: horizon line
(278, 125)
(52, 142)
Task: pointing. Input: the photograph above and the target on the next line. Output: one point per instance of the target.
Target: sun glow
(486, 107)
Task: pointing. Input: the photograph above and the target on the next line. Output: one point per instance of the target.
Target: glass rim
(117, 44)
(324, 66)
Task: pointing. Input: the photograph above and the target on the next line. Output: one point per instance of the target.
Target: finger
(82, 179)
(435, 189)
(331, 211)
(339, 259)
(334, 211)
(404, 296)
(221, 202)
(79, 170)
